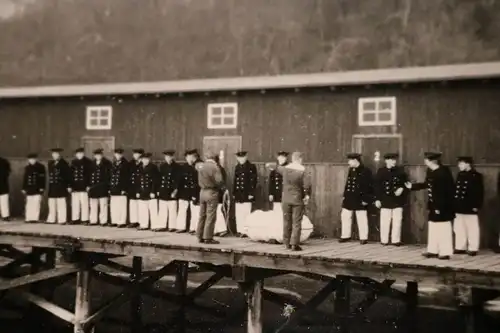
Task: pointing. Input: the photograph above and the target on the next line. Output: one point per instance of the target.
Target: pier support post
(181, 277)
(253, 292)
(82, 301)
(342, 303)
(412, 306)
(136, 299)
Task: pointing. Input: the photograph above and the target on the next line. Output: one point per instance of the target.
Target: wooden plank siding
(328, 184)
(456, 118)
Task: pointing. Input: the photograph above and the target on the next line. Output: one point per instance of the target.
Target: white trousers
(58, 210)
(440, 238)
(148, 212)
(118, 209)
(4, 206)
(361, 219)
(466, 228)
(79, 206)
(32, 209)
(195, 217)
(167, 215)
(180, 223)
(99, 210)
(242, 211)
(220, 222)
(390, 217)
(133, 211)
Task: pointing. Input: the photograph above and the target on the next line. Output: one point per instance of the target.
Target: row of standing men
(160, 198)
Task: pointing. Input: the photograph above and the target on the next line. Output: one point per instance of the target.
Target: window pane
(216, 120)
(369, 106)
(369, 117)
(228, 121)
(94, 113)
(93, 122)
(104, 113)
(228, 111)
(384, 116)
(385, 105)
(216, 111)
(103, 122)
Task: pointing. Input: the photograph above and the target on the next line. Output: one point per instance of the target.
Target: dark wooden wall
(324, 210)
(457, 118)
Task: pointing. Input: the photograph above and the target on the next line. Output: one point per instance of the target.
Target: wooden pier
(86, 249)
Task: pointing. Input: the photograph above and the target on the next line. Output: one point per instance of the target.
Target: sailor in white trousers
(59, 186)
(33, 187)
(100, 175)
(170, 173)
(148, 180)
(80, 172)
(118, 187)
(244, 185)
(134, 169)
(188, 190)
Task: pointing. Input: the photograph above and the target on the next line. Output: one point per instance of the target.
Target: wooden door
(106, 143)
(226, 147)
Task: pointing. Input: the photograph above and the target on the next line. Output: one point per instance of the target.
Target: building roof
(485, 70)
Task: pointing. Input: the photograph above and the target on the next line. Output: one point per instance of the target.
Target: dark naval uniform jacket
(120, 177)
(59, 178)
(358, 188)
(100, 176)
(134, 186)
(188, 183)
(441, 194)
(387, 181)
(148, 179)
(80, 171)
(5, 171)
(276, 184)
(34, 179)
(245, 182)
(169, 181)
(469, 192)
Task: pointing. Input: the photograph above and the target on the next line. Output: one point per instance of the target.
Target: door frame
(221, 137)
(97, 138)
(357, 141)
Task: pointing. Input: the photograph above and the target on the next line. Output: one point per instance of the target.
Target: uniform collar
(295, 166)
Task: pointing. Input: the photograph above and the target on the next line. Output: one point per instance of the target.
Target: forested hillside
(85, 41)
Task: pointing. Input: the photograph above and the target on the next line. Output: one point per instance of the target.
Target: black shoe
(363, 242)
(6, 219)
(85, 222)
(472, 253)
(191, 232)
(243, 236)
(172, 230)
(430, 255)
(344, 240)
(181, 231)
(143, 228)
(211, 241)
(296, 248)
(273, 241)
(384, 244)
(133, 225)
(122, 226)
(75, 222)
(201, 241)
(459, 252)
(396, 244)
(288, 246)
(444, 257)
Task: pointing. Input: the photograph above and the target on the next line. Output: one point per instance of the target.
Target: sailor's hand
(69, 189)
(137, 195)
(408, 185)
(250, 197)
(152, 195)
(271, 198)
(437, 211)
(475, 210)
(364, 203)
(87, 189)
(399, 191)
(378, 204)
(306, 200)
(24, 192)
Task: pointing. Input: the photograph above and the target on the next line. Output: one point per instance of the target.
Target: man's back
(209, 175)
(296, 183)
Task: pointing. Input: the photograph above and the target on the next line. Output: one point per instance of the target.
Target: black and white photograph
(249, 166)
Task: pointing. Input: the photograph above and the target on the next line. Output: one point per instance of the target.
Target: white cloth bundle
(265, 226)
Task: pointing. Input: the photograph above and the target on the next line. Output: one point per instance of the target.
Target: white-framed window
(222, 115)
(99, 117)
(377, 111)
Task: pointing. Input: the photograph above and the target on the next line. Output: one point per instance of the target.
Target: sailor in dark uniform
(194, 206)
(100, 176)
(187, 190)
(33, 186)
(390, 195)
(167, 193)
(5, 171)
(80, 169)
(244, 185)
(358, 194)
(276, 183)
(59, 187)
(148, 179)
(134, 168)
(469, 195)
(440, 187)
(118, 187)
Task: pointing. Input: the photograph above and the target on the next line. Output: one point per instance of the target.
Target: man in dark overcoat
(5, 171)
(275, 188)
(100, 176)
(390, 198)
(80, 172)
(34, 179)
(59, 187)
(118, 189)
(244, 185)
(469, 196)
(188, 189)
(358, 194)
(170, 173)
(440, 188)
